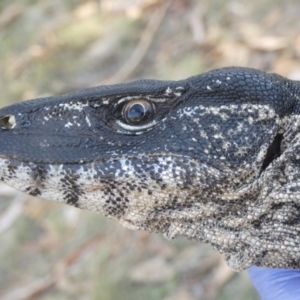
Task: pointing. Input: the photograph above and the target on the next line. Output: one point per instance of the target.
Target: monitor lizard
(215, 158)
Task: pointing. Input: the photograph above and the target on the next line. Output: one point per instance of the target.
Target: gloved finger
(276, 284)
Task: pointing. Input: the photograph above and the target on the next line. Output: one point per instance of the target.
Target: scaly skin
(216, 159)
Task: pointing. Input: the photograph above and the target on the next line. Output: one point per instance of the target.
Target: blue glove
(276, 284)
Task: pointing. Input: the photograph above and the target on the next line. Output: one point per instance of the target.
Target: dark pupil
(136, 112)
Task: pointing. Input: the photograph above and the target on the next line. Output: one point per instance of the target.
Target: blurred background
(50, 47)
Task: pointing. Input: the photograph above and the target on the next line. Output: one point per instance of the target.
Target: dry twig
(142, 47)
(57, 276)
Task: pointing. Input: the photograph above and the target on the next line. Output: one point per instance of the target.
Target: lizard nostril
(8, 122)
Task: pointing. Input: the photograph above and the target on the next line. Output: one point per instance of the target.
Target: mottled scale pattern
(217, 162)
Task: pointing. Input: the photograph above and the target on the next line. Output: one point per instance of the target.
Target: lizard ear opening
(273, 151)
(8, 122)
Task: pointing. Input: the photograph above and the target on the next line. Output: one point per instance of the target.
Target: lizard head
(191, 157)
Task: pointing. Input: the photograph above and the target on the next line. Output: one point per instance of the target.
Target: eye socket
(138, 111)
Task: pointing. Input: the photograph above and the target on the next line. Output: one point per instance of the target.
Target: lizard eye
(138, 111)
